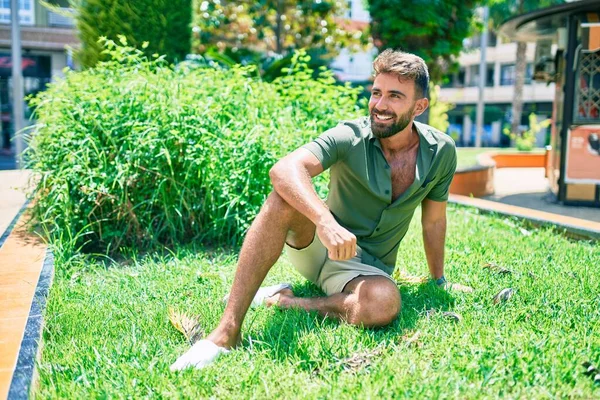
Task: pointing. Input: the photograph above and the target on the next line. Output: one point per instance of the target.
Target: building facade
(462, 90)
(45, 39)
(355, 66)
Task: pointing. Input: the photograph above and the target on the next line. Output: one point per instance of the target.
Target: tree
(434, 30)
(261, 27)
(500, 11)
(165, 25)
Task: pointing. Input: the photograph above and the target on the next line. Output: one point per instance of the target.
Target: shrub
(136, 153)
(525, 140)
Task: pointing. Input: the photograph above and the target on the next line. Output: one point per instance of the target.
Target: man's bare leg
(369, 301)
(262, 247)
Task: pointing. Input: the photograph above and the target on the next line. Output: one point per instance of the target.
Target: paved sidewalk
(528, 188)
(21, 260)
(12, 195)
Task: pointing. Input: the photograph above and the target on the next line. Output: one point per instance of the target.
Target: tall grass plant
(135, 153)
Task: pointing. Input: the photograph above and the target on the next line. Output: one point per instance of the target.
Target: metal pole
(17, 82)
(482, 79)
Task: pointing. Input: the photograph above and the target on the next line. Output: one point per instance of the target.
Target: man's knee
(300, 230)
(378, 303)
(275, 204)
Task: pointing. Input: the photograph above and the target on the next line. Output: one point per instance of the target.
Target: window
(25, 12)
(507, 74)
(489, 75)
(529, 74)
(460, 80)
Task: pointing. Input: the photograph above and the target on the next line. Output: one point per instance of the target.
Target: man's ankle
(225, 336)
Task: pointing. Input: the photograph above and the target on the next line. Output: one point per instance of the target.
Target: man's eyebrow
(376, 89)
(397, 92)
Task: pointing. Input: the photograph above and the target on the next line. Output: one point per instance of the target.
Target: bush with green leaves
(134, 153)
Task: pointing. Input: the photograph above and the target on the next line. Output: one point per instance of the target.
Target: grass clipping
(188, 325)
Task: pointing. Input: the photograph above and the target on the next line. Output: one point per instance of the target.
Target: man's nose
(381, 104)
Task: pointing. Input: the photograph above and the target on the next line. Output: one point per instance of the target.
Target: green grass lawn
(467, 156)
(107, 333)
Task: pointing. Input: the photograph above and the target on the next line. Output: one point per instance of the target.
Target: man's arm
(291, 178)
(433, 220)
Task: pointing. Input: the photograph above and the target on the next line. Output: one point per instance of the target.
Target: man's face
(393, 105)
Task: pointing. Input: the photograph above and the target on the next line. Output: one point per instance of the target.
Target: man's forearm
(434, 239)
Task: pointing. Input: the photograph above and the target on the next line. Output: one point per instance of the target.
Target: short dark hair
(404, 66)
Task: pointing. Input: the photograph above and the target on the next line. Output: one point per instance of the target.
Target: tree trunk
(278, 29)
(520, 70)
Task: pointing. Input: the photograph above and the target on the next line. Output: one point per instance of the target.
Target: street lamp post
(482, 79)
(17, 82)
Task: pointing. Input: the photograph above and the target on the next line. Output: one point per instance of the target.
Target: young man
(382, 168)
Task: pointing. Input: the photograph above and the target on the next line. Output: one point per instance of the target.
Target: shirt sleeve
(332, 146)
(441, 190)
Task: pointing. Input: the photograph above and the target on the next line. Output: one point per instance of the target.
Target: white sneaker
(201, 354)
(264, 293)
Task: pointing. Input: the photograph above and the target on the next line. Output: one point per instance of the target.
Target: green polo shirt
(360, 189)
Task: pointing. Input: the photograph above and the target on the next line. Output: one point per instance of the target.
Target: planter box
(478, 181)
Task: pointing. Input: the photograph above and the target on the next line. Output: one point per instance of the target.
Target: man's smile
(382, 117)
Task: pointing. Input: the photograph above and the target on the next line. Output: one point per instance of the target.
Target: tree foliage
(434, 30)
(165, 25)
(272, 26)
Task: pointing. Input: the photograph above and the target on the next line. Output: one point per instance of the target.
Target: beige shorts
(329, 275)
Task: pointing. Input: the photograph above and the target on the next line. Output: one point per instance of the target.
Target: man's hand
(340, 243)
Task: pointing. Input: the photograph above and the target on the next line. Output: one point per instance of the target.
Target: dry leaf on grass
(497, 268)
(412, 279)
(360, 360)
(455, 317)
(590, 369)
(412, 339)
(189, 326)
(504, 295)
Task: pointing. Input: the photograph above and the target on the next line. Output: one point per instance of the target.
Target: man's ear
(420, 106)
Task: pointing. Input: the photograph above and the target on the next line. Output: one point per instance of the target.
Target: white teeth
(383, 117)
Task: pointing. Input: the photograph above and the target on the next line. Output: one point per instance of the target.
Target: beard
(382, 131)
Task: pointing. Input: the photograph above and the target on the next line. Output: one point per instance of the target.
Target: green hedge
(135, 153)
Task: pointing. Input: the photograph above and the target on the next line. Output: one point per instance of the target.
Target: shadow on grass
(314, 343)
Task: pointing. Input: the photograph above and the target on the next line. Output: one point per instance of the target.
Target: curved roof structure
(543, 23)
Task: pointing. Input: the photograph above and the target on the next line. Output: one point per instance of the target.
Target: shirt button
(387, 166)
(376, 229)
(387, 192)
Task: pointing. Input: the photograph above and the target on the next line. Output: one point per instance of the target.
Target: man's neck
(404, 140)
